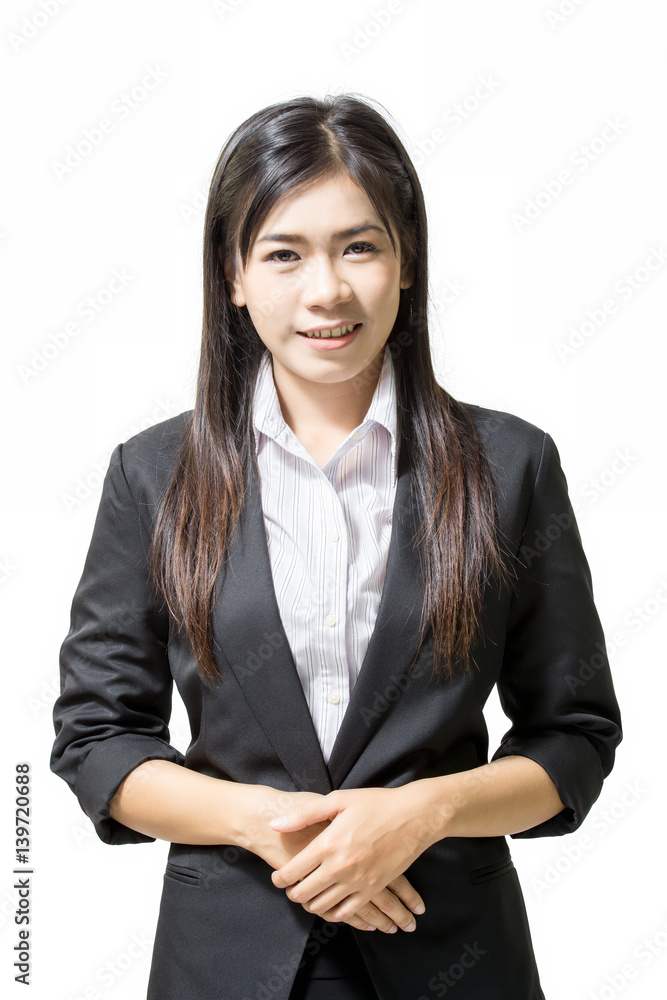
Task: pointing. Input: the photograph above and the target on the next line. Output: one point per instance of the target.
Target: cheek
(268, 304)
(383, 287)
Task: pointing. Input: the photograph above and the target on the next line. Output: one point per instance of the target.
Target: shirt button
(333, 536)
(334, 697)
(390, 518)
(356, 435)
(330, 619)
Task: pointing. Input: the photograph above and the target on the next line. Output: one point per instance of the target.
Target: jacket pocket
(180, 873)
(486, 872)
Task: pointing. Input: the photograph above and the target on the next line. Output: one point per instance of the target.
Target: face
(304, 273)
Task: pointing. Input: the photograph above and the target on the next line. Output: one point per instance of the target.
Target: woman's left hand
(374, 835)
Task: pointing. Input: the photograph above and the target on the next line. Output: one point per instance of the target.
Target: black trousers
(334, 968)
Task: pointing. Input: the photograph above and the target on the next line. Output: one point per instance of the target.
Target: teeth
(338, 331)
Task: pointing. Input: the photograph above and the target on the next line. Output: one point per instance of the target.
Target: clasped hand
(347, 852)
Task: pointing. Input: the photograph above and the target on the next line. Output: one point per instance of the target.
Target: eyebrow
(364, 227)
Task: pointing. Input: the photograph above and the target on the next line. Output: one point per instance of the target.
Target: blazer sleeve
(116, 687)
(555, 683)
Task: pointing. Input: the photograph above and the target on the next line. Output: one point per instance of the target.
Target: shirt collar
(268, 418)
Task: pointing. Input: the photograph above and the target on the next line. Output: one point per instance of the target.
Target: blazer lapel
(393, 641)
(250, 632)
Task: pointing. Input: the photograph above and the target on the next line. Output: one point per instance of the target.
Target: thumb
(302, 816)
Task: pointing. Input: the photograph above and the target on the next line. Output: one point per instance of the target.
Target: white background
(135, 205)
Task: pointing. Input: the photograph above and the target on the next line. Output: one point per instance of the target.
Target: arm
(114, 705)
(379, 832)
(162, 799)
(502, 798)
(555, 683)
(111, 717)
(555, 686)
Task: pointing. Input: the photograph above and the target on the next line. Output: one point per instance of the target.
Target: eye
(364, 247)
(274, 256)
(361, 248)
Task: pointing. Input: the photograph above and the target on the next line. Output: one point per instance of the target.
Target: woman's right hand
(388, 909)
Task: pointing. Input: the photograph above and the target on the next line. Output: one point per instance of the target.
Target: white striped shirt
(328, 531)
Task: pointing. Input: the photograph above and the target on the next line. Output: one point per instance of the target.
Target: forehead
(321, 208)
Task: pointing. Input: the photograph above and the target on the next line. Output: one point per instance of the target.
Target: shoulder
(148, 457)
(163, 437)
(514, 447)
(502, 427)
(525, 466)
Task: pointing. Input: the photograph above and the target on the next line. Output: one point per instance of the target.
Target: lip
(329, 344)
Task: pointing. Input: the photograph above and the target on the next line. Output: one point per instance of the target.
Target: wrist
(239, 807)
(250, 812)
(433, 804)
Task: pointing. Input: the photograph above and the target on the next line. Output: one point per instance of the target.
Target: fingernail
(278, 821)
(419, 909)
(412, 926)
(392, 930)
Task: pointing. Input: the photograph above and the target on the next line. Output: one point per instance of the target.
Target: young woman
(335, 561)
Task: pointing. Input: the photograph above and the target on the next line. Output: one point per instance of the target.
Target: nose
(323, 285)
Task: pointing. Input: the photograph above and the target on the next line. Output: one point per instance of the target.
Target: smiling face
(305, 272)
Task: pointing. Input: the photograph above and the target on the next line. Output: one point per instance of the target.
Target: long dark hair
(276, 150)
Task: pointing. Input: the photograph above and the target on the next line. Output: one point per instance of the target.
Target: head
(322, 259)
(311, 169)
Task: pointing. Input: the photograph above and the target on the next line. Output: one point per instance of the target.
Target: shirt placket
(334, 569)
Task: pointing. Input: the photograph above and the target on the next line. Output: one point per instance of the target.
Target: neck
(335, 407)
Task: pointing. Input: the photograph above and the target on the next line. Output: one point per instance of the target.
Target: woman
(335, 561)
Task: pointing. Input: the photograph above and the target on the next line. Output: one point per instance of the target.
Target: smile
(334, 339)
(336, 331)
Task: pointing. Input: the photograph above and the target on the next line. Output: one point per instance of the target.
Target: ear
(235, 288)
(407, 274)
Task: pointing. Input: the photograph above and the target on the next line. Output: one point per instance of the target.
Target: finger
(368, 915)
(356, 921)
(377, 918)
(316, 811)
(407, 894)
(392, 908)
(385, 910)
(303, 890)
(369, 912)
(317, 902)
(296, 871)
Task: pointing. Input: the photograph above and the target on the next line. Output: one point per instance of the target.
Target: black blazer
(224, 930)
